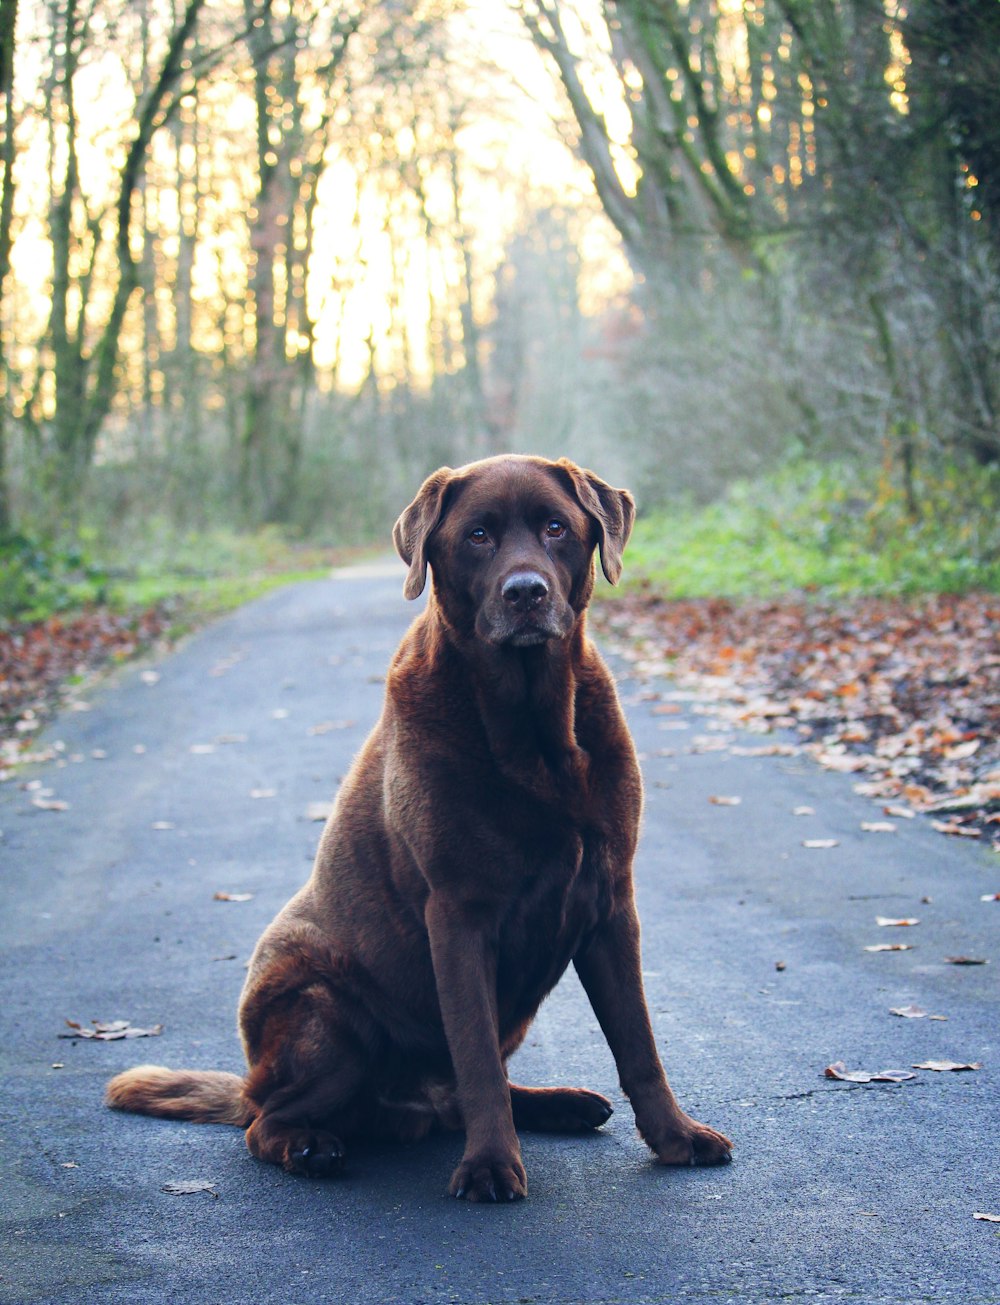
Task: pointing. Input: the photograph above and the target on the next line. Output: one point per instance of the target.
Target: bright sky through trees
(378, 257)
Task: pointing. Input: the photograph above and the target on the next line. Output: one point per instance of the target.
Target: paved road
(838, 1191)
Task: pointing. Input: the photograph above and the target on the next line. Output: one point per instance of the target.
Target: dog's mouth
(531, 634)
(527, 629)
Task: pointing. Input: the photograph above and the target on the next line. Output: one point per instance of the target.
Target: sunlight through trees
(269, 260)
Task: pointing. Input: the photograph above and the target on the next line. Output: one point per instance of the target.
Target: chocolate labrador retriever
(482, 840)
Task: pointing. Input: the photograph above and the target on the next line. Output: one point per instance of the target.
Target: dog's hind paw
(317, 1155)
(308, 1151)
(558, 1110)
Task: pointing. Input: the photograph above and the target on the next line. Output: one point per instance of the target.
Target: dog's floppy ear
(613, 511)
(413, 529)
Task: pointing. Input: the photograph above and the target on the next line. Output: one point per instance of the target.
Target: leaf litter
(903, 693)
(40, 660)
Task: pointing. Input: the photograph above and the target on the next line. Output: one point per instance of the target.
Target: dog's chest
(544, 925)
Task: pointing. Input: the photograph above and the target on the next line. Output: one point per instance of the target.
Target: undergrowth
(836, 529)
(210, 572)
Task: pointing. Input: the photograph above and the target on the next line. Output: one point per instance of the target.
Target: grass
(206, 574)
(832, 529)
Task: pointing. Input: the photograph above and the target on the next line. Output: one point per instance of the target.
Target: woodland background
(265, 263)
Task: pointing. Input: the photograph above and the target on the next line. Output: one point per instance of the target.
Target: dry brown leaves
(903, 693)
(40, 659)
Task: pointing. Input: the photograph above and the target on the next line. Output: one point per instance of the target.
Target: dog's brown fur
(481, 842)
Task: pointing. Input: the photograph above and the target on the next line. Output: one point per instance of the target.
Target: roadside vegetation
(833, 529)
(67, 614)
(200, 573)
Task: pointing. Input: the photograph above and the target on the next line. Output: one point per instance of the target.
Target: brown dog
(481, 842)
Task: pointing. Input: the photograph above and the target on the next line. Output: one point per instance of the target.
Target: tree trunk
(8, 22)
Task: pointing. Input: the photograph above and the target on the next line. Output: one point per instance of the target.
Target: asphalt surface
(201, 781)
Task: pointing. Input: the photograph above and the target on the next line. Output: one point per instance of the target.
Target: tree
(831, 145)
(8, 26)
(84, 362)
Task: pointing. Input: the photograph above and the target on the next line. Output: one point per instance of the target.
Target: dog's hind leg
(307, 1082)
(558, 1109)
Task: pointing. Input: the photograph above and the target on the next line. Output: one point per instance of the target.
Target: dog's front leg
(610, 970)
(464, 956)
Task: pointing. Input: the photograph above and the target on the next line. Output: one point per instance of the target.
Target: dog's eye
(478, 536)
(555, 529)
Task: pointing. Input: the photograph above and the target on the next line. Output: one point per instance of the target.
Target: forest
(264, 263)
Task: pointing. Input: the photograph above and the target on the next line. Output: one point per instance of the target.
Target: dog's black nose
(524, 589)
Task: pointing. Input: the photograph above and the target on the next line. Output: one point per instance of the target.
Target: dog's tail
(203, 1096)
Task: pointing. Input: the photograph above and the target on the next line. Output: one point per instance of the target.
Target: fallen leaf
(226, 664)
(889, 947)
(162, 824)
(840, 1071)
(201, 749)
(902, 813)
(990, 897)
(766, 750)
(943, 1066)
(878, 827)
(908, 1012)
(318, 810)
(150, 677)
(280, 713)
(666, 709)
(988, 1218)
(956, 830)
(326, 726)
(803, 811)
(232, 897)
(263, 792)
(725, 801)
(189, 1188)
(962, 750)
(884, 922)
(820, 842)
(110, 1031)
(965, 960)
(49, 804)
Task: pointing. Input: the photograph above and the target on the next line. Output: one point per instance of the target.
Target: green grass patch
(837, 529)
(207, 573)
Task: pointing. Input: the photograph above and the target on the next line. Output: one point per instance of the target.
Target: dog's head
(510, 543)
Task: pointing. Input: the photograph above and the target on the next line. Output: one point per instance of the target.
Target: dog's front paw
(489, 1177)
(693, 1144)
